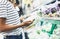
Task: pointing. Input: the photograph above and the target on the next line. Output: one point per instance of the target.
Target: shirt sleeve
(3, 11)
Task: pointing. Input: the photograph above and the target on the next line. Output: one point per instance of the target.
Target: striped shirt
(12, 18)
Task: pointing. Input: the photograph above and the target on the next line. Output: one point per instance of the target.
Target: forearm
(5, 27)
(9, 27)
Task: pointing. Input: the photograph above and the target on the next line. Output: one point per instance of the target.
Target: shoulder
(3, 1)
(9, 4)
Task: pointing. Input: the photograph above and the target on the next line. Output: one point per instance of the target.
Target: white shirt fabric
(12, 18)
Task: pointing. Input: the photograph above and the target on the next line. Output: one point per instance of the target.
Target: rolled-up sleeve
(3, 11)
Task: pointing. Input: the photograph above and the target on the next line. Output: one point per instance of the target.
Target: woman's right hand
(27, 23)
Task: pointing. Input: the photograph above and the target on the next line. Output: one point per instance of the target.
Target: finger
(28, 21)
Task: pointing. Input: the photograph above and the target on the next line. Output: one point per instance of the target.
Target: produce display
(45, 30)
(41, 30)
(50, 11)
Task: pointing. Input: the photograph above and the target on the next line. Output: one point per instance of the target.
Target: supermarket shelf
(51, 18)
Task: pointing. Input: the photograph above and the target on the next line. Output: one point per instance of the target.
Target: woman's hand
(27, 23)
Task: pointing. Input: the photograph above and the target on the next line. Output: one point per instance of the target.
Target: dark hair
(17, 2)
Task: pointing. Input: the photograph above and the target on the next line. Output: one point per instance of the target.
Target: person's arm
(5, 27)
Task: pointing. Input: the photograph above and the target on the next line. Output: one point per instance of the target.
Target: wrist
(22, 24)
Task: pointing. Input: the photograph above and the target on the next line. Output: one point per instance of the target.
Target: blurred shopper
(10, 25)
